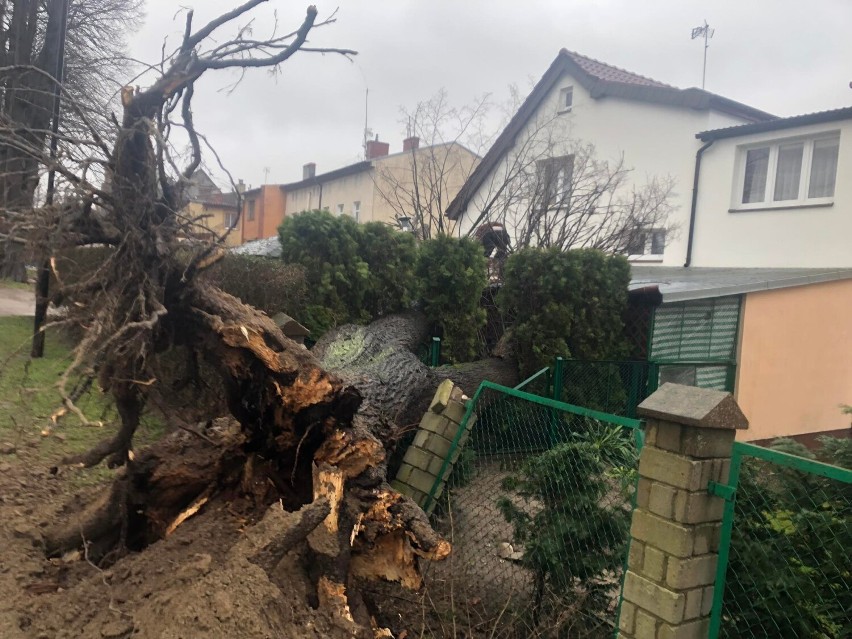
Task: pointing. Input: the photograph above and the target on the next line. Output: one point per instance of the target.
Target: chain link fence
(538, 510)
(787, 537)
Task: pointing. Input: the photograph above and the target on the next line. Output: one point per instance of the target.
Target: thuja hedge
(359, 272)
(567, 303)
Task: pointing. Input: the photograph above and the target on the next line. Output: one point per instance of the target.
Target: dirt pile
(199, 582)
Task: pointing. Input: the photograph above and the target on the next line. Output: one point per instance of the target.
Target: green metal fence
(785, 556)
(538, 510)
(620, 386)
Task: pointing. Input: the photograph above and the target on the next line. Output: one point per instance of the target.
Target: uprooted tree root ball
(311, 430)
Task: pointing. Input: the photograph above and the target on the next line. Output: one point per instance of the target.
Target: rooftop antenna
(707, 32)
(367, 131)
(266, 175)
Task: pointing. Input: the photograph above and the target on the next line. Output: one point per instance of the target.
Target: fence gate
(785, 552)
(537, 507)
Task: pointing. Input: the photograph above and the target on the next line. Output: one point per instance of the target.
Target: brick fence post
(668, 587)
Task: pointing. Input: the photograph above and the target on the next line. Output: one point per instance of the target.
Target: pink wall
(795, 360)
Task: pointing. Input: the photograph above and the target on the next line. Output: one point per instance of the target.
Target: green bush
(354, 272)
(264, 283)
(336, 276)
(452, 274)
(789, 572)
(565, 303)
(578, 529)
(391, 257)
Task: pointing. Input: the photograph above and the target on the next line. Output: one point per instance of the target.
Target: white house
(776, 194)
(648, 125)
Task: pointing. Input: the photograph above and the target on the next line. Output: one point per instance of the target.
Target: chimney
(309, 171)
(410, 144)
(241, 186)
(376, 149)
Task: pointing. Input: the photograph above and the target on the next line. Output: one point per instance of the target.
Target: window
(340, 209)
(356, 211)
(566, 99)
(554, 181)
(250, 205)
(796, 172)
(231, 220)
(647, 242)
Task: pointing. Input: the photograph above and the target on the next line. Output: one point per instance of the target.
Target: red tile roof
(603, 71)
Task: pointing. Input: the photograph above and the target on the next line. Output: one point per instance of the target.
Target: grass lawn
(24, 286)
(28, 396)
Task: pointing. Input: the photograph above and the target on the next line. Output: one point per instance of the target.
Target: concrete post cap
(694, 406)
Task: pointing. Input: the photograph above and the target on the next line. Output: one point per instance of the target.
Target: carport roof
(679, 284)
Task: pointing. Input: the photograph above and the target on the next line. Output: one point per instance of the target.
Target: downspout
(319, 208)
(698, 155)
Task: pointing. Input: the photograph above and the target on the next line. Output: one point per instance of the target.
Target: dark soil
(198, 582)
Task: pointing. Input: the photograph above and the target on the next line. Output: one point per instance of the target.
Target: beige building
(214, 210)
(411, 188)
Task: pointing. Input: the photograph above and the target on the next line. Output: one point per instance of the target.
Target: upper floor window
(356, 211)
(554, 181)
(231, 220)
(340, 209)
(250, 205)
(566, 99)
(788, 172)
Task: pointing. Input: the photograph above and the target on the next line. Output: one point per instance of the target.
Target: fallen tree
(310, 430)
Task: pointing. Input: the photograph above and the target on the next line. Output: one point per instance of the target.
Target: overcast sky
(783, 56)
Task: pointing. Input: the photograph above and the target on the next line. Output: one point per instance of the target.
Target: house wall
(796, 237)
(440, 171)
(380, 189)
(795, 364)
(213, 218)
(655, 141)
(345, 190)
(268, 212)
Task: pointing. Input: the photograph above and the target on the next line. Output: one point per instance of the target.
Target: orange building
(263, 212)
(779, 339)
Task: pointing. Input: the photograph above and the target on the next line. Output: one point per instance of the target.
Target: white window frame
(772, 170)
(340, 209)
(564, 92)
(646, 255)
(356, 210)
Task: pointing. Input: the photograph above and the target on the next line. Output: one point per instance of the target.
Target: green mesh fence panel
(538, 510)
(789, 568)
(612, 387)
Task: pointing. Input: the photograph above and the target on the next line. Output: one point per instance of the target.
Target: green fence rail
(538, 508)
(620, 386)
(785, 555)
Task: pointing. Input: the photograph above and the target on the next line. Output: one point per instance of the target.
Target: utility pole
(707, 32)
(43, 282)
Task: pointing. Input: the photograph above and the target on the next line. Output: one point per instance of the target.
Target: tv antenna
(707, 32)
(266, 175)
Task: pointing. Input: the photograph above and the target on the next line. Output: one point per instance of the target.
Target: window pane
(658, 242)
(824, 168)
(757, 165)
(789, 172)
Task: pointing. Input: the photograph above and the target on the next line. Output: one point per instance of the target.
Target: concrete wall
(269, 210)
(796, 359)
(655, 141)
(795, 237)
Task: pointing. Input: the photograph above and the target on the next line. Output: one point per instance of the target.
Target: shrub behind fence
(538, 510)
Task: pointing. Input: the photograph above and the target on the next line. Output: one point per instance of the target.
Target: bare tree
(29, 58)
(444, 148)
(553, 190)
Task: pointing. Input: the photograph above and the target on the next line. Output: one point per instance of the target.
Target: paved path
(16, 301)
